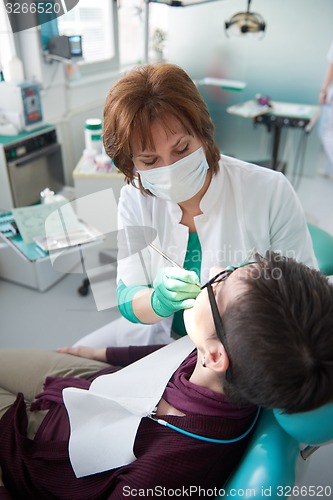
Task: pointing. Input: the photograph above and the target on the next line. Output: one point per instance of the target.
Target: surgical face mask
(177, 182)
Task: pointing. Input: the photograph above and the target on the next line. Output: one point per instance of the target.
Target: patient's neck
(206, 377)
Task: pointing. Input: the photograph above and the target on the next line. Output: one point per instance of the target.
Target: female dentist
(205, 208)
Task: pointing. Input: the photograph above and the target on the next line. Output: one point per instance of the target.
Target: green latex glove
(174, 289)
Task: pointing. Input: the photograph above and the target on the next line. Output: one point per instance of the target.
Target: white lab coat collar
(104, 419)
(211, 196)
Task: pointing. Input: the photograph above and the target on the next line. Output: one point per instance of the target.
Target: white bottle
(93, 134)
(15, 70)
(88, 164)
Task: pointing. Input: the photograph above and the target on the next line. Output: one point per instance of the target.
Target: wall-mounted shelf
(50, 58)
(223, 83)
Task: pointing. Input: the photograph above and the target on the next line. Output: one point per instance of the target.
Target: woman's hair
(148, 93)
(280, 337)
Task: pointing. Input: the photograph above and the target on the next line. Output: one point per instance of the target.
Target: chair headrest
(311, 427)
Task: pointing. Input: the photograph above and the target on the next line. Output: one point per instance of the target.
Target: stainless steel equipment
(29, 163)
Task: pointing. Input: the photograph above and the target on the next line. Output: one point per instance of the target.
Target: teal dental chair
(323, 248)
(277, 451)
(282, 443)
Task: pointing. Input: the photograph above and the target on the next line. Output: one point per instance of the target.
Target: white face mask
(177, 182)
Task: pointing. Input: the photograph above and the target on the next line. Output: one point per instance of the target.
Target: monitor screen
(75, 44)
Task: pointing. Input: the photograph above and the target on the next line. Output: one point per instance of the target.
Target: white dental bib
(104, 419)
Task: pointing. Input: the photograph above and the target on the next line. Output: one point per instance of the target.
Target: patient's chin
(187, 318)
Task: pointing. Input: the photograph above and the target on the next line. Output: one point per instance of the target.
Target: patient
(263, 337)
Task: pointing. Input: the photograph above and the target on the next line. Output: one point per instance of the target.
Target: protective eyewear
(221, 276)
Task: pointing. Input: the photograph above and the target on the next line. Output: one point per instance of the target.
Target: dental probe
(166, 257)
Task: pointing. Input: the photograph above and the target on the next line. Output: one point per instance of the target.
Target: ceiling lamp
(245, 22)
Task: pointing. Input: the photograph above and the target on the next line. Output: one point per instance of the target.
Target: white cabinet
(86, 183)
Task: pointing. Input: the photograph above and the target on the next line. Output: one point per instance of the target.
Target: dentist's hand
(174, 289)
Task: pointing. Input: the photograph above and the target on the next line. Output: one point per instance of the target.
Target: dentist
(206, 208)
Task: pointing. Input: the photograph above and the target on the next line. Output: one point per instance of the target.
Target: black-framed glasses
(221, 276)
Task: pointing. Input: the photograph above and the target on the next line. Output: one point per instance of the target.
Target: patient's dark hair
(280, 337)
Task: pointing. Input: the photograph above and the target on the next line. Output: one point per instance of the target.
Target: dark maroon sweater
(165, 459)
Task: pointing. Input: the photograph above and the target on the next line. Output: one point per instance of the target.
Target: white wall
(288, 64)
(84, 99)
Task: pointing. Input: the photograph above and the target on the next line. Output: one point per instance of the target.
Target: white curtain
(7, 47)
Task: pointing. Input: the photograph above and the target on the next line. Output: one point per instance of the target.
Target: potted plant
(158, 43)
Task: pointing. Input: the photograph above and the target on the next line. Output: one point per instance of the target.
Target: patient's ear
(216, 357)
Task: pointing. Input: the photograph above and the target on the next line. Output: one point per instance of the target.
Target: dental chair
(323, 248)
(275, 459)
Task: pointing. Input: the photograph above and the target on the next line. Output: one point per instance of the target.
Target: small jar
(93, 134)
(103, 163)
(88, 160)
(47, 196)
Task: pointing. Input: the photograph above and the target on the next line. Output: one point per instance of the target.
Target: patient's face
(198, 320)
